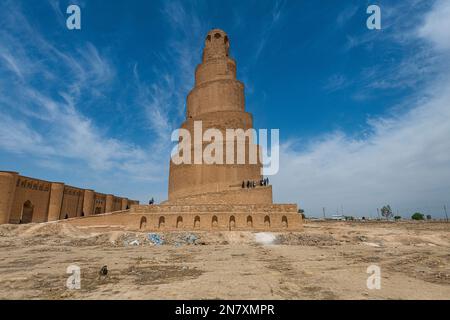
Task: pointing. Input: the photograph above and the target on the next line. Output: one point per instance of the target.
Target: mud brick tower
(208, 197)
(217, 101)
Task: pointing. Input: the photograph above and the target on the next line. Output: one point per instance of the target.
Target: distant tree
(428, 217)
(417, 216)
(386, 212)
(397, 218)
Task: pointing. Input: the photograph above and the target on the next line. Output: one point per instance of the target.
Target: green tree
(417, 216)
(386, 212)
(397, 218)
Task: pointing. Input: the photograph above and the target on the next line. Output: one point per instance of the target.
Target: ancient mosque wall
(72, 204)
(30, 200)
(24, 200)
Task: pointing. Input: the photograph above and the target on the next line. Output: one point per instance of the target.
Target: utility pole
(445, 210)
(323, 209)
(378, 213)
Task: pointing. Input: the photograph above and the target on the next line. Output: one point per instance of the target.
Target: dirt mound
(54, 230)
(303, 239)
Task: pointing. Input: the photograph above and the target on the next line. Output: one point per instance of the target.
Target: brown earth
(327, 261)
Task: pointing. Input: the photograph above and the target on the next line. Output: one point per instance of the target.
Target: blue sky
(363, 114)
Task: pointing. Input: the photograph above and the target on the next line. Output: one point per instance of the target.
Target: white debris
(134, 243)
(265, 238)
(371, 244)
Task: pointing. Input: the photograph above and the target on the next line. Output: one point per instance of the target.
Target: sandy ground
(328, 260)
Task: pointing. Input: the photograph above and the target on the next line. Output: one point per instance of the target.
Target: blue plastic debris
(191, 238)
(155, 239)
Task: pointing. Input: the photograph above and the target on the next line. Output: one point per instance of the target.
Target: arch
(162, 222)
(217, 35)
(267, 221)
(208, 38)
(284, 222)
(98, 210)
(214, 222)
(249, 221)
(232, 223)
(143, 223)
(197, 222)
(225, 40)
(180, 222)
(27, 212)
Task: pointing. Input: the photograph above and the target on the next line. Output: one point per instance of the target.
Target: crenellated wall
(24, 199)
(205, 217)
(72, 204)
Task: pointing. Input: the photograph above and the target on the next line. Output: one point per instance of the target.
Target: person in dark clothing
(248, 184)
(243, 184)
(67, 216)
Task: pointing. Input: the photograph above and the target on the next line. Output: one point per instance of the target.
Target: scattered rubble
(155, 239)
(304, 239)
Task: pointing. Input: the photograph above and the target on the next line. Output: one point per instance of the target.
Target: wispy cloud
(336, 82)
(402, 159)
(164, 100)
(436, 26)
(346, 15)
(276, 15)
(43, 88)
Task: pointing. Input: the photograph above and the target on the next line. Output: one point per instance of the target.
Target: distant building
(337, 217)
(24, 200)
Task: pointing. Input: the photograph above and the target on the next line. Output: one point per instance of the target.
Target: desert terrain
(328, 260)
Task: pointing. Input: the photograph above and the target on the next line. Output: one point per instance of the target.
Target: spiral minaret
(218, 101)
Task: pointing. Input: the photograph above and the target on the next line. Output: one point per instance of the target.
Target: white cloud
(42, 89)
(403, 160)
(436, 27)
(18, 137)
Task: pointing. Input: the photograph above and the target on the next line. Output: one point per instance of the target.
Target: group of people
(252, 184)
